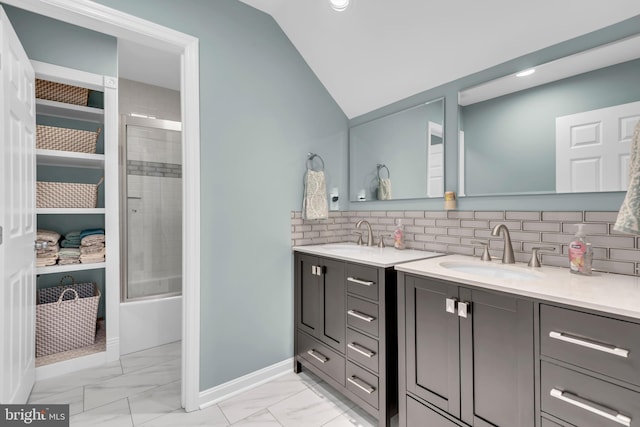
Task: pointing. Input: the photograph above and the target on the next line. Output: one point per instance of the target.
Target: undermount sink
(491, 270)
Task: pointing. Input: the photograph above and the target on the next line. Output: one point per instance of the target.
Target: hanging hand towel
(314, 203)
(629, 216)
(384, 189)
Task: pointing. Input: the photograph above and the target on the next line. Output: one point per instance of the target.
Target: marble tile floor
(143, 389)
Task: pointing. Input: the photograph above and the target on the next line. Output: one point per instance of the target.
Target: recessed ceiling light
(339, 5)
(526, 72)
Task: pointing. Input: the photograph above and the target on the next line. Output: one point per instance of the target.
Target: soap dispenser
(580, 253)
(398, 236)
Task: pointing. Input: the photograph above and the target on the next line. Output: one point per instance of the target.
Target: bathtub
(150, 323)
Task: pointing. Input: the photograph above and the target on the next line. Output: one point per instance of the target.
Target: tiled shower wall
(452, 232)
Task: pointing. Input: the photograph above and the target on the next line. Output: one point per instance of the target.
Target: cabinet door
(307, 294)
(432, 343)
(333, 313)
(497, 360)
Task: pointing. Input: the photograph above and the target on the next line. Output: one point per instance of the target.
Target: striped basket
(60, 92)
(66, 195)
(65, 324)
(64, 139)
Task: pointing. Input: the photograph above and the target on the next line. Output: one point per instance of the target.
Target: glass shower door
(153, 209)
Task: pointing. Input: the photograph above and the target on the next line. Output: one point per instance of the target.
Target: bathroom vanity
(487, 344)
(346, 320)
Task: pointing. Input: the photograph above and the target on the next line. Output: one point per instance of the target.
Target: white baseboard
(72, 365)
(247, 382)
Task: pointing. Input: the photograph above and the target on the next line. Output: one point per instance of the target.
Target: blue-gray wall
(585, 201)
(262, 111)
(47, 40)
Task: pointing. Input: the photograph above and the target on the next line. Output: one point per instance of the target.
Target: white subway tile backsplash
(453, 232)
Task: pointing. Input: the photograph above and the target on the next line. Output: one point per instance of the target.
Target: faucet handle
(359, 242)
(535, 261)
(486, 256)
(381, 237)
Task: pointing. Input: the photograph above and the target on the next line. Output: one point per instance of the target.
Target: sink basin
(491, 270)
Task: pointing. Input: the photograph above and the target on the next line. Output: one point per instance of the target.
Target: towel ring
(310, 158)
(380, 167)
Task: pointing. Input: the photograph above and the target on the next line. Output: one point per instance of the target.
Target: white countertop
(371, 255)
(611, 293)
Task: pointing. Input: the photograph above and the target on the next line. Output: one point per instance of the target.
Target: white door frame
(87, 14)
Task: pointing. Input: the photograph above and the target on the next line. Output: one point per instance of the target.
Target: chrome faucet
(507, 253)
(370, 235)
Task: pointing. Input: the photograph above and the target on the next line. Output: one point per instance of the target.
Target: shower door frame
(128, 120)
(106, 20)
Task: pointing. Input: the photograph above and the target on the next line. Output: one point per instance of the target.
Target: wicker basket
(65, 324)
(61, 92)
(64, 139)
(66, 195)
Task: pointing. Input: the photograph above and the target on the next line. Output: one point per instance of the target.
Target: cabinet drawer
(420, 415)
(362, 349)
(320, 356)
(363, 384)
(600, 344)
(549, 423)
(586, 401)
(362, 280)
(362, 315)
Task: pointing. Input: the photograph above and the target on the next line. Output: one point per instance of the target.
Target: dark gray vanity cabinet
(590, 368)
(345, 316)
(321, 299)
(466, 356)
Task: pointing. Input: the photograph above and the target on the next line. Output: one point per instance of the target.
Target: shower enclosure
(151, 224)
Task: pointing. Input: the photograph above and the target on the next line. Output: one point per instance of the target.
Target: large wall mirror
(564, 128)
(399, 156)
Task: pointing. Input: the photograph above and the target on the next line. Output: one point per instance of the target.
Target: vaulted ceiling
(380, 51)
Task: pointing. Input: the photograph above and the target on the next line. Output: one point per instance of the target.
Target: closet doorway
(91, 15)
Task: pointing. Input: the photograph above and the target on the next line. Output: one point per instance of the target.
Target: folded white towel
(314, 202)
(629, 216)
(384, 189)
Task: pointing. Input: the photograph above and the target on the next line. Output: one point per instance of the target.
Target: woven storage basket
(65, 324)
(66, 195)
(61, 92)
(64, 139)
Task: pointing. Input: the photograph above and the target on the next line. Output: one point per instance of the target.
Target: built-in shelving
(69, 111)
(70, 211)
(68, 268)
(69, 159)
(102, 217)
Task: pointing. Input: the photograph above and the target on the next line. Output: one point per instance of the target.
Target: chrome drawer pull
(359, 282)
(595, 408)
(589, 344)
(362, 351)
(366, 388)
(360, 316)
(313, 354)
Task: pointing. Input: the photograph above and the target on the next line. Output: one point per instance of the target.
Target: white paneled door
(17, 218)
(592, 149)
